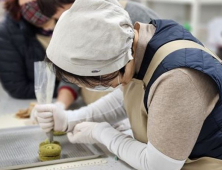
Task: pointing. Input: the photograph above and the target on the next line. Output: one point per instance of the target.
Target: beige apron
(134, 105)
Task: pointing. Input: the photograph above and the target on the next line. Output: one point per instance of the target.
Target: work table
(8, 108)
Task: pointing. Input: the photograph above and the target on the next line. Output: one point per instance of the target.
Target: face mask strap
(31, 12)
(118, 80)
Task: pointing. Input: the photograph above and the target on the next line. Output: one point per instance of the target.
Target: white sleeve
(139, 155)
(109, 109)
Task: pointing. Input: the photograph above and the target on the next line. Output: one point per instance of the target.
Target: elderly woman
(171, 88)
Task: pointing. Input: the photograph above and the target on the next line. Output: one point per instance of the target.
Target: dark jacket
(19, 48)
(209, 142)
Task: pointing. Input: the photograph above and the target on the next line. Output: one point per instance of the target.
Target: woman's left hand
(86, 132)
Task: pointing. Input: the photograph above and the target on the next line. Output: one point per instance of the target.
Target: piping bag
(44, 86)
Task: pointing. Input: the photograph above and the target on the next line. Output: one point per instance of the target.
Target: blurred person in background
(24, 35)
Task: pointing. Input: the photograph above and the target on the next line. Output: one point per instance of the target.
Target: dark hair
(89, 81)
(49, 7)
(13, 8)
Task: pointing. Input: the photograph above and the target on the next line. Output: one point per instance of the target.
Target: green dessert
(49, 151)
(42, 158)
(57, 133)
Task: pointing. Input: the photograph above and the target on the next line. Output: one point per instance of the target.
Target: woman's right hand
(52, 117)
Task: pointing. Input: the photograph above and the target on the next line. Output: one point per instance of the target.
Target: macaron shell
(43, 158)
(50, 150)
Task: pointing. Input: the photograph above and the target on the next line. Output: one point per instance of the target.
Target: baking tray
(19, 148)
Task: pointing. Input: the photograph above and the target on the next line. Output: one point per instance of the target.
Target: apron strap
(169, 48)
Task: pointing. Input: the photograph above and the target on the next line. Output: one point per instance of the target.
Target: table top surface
(9, 106)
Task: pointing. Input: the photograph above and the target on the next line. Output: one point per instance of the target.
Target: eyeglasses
(104, 88)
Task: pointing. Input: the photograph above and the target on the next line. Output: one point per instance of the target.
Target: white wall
(181, 11)
(169, 11)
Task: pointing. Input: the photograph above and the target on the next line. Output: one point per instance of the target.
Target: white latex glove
(86, 132)
(52, 117)
(33, 115)
(123, 125)
(82, 133)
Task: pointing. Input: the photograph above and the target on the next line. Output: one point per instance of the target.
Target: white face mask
(105, 89)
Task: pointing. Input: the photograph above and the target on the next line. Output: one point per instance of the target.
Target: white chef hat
(94, 37)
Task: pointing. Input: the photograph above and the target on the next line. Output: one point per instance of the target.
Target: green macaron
(49, 151)
(49, 158)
